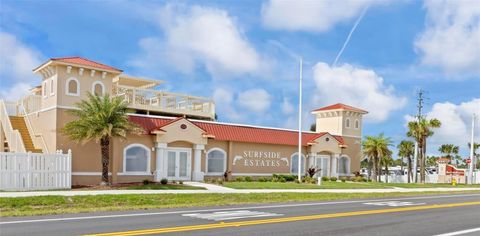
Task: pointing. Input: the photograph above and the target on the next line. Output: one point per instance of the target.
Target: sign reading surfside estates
(260, 159)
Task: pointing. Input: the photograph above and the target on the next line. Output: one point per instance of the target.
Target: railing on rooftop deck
(159, 101)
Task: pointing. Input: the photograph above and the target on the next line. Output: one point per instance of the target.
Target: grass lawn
(334, 185)
(47, 205)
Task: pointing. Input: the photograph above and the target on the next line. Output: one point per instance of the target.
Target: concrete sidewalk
(224, 190)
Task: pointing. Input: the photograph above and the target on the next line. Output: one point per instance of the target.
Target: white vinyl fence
(35, 171)
(430, 178)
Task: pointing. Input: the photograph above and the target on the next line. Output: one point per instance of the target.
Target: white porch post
(334, 165)
(160, 167)
(197, 162)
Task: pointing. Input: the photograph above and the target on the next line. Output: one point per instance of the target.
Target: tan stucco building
(182, 140)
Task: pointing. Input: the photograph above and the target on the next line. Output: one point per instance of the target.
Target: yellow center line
(282, 219)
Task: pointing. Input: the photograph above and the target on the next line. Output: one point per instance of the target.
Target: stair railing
(13, 137)
(30, 128)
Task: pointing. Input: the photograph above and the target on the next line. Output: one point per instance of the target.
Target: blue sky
(244, 54)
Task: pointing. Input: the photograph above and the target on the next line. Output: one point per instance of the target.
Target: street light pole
(472, 161)
(300, 123)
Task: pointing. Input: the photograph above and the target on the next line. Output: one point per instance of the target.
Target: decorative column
(334, 165)
(197, 162)
(160, 167)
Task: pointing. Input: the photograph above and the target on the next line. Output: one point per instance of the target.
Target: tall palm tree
(387, 160)
(449, 150)
(375, 148)
(406, 149)
(100, 118)
(420, 130)
(475, 154)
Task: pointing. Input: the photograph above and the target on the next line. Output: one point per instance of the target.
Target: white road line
(225, 209)
(231, 215)
(467, 231)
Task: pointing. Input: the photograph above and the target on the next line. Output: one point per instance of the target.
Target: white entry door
(178, 164)
(322, 162)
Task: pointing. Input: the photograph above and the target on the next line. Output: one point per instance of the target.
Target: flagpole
(300, 123)
(472, 159)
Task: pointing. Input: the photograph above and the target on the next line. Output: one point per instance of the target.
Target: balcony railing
(166, 102)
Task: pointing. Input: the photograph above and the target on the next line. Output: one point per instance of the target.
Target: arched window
(216, 161)
(294, 164)
(344, 165)
(357, 124)
(347, 123)
(72, 87)
(136, 159)
(44, 88)
(98, 88)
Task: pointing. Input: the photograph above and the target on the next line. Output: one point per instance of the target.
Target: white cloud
(357, 87)
(203, 36)
(451, 39)
(16, 63)
(287, 106)
(257, 100)
(224, 104)
(456, 124)
(17, 59)
(307, 15)
(15, 92)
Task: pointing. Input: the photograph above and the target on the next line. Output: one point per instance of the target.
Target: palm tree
(406, 149)
(375, 148)
(387, 160)
(100, 119)
(420, 130)
(449, 150)
(475, 154)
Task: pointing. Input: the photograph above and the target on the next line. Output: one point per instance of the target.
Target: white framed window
(294, 164)
(72, 87)
(322, 162)
(136, 159)
(357, 124)
(98, 88)
(347, 123)
(44, 89)
(216, 161)
(344, 165)
(52, 87)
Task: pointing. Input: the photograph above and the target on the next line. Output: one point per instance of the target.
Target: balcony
(165, 102)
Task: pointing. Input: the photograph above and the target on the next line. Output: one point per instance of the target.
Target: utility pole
(472, 158)
(419, 116)
(300, 123)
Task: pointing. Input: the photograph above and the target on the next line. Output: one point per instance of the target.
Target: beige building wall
(354, 152)
(332, 125)
(44, 124)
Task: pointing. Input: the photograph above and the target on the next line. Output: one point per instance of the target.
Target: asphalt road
(422, 215)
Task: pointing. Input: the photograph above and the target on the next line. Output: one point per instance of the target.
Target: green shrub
(164, 181)
(358, 179)
(146, 182)
(282, 180)
(240, 179)
(296, 181)
(262, 179)
(364, 179)
(248, 179)
(180, 182)
(325, 178)
(220, 181)
(333, 179)
(174, 182)
(343, 179)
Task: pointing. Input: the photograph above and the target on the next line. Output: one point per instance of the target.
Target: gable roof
(340, 106)
(86, 62)
(234, 132)
(81, 62)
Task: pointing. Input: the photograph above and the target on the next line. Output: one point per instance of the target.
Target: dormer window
(98, 88)
(347, 123)
(72, 87)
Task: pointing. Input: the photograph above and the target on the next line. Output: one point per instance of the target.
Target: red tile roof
(239, 133)
(339, 106)
(85, 62)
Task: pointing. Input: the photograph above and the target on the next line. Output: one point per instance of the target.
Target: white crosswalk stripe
(393, 203)
(231, 215)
